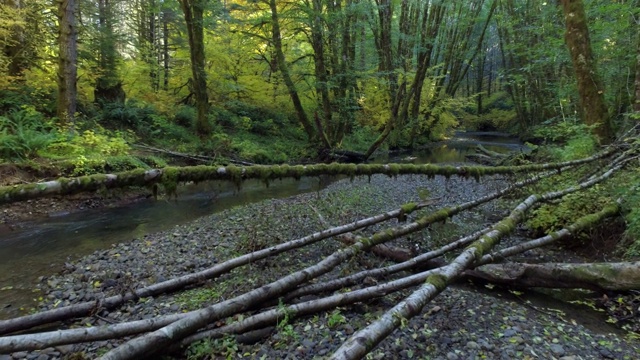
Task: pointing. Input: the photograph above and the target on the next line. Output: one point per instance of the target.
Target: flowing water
(40, 248)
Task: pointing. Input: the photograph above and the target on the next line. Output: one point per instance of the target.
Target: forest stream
(35, 250)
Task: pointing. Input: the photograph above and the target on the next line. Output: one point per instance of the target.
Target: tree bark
(636, 104)
(276, 37)
(590, 88)
(622, 276)
(67, 61)
(108, 85)
(170, 176)
(193, 15)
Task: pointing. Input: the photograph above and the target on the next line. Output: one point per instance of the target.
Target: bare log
(84, 309)
(170, 176)
(271, 317)
(421, 261)
(38, 341)
(622, 276)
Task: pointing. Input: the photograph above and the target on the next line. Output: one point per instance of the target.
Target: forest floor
(463, 322)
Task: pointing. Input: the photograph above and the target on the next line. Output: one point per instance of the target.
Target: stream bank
(459, 324)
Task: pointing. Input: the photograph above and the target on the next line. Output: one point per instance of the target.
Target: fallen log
(169, 177)
(363, 341)
(622, 276)
(153, 342)
(86, 308)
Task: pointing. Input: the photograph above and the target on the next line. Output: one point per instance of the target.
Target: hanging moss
(170, 181)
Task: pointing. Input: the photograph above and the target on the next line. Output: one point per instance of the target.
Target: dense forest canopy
(351, 74)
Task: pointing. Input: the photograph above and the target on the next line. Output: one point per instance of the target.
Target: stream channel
(40, 247)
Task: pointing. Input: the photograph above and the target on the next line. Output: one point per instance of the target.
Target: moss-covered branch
(169, 177)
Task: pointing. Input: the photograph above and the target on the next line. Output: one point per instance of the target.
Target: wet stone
(472, 345)
(557, 350)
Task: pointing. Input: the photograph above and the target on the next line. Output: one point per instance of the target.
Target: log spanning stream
(41, 247)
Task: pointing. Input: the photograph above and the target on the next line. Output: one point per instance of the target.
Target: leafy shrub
(185, 116)
(24, 133)
(131, 115)
(551, 217)
(360, 138)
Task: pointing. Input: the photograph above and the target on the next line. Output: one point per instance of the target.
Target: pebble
(472, 345)
(557, 350)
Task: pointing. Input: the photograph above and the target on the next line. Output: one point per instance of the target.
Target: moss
(438, 280)
(506, 226)
(394, 170)
(482, 246)
(170, 180)
(408, 208)
(235, 175)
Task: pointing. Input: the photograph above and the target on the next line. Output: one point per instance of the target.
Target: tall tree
(193, 15)
(108, 87)
(276, 37)
(636, 104)
(67, 60)
(590, 88)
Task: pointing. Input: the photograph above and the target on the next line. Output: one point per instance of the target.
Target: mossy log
(622, 276)
(363, 341)
(169, 177)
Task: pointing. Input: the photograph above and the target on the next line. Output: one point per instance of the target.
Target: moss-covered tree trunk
(636, 104)
(590, 88)
(193, 15)
(108, 85)
(286, 76)
(67, 60)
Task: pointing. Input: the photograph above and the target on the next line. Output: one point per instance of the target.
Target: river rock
(557, 350)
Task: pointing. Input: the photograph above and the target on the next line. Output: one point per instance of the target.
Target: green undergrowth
(568, 141)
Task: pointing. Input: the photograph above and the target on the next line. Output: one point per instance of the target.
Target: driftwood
(193, 157)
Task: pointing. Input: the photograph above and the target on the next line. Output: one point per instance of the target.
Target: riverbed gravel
(461, 323)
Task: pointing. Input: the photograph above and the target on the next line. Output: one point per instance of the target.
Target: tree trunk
(599, 276)
(286, 76)
(15, 47)
(590, 88)
(108, 85)
(165, 48)
(67, 61)
(636, 104)
(193, 15)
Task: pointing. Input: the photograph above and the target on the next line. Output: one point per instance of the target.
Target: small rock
(570, 357)
(509, 332)
(606, 353)
(472, 345)
(452, 356)
(557, 349)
